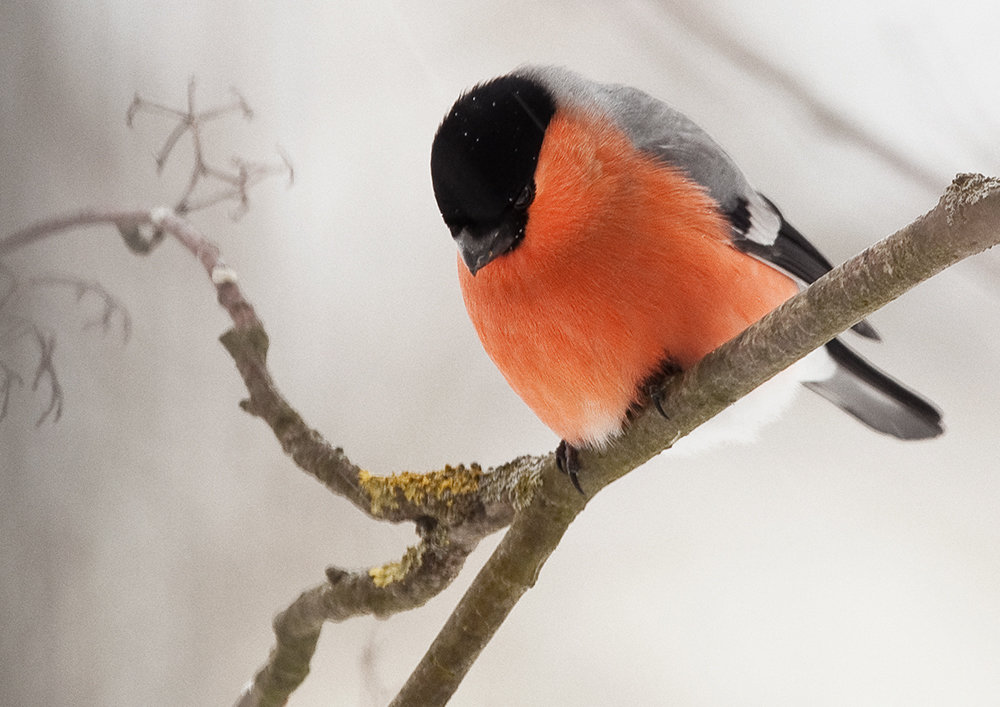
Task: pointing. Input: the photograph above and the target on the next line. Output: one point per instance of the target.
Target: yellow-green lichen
(441, 486)
(386, 574)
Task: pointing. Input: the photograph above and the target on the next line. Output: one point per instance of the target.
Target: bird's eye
(527, 195)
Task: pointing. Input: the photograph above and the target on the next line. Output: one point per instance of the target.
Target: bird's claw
(656, 386)
(568, 461)
(656, 394)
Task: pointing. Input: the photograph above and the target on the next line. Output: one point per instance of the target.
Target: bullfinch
(604, 240)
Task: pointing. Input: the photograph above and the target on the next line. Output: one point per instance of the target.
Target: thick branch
(966, 221)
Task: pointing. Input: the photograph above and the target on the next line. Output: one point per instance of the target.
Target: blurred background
(148, 537)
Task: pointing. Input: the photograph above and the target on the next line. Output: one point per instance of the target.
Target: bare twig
(8, 379)
(46, 370)
(121, 218)
(10, 285)
(14, 289)
(112, 307)
(15, 329)
(236, 182)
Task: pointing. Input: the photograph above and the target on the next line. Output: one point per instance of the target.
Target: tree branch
(423, 572)
(966, 221)
(455, 507)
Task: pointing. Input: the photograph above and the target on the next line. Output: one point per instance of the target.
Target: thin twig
(46, 370)
(112, 308)
(8, 379)
(123, 218)
(190, 121)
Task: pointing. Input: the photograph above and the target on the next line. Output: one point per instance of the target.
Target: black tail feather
(876, 399)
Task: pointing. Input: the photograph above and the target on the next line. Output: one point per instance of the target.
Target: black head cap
(483, 162)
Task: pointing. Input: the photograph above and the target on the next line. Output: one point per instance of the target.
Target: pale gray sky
(147, 539)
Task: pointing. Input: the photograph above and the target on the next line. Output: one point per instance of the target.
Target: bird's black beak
(481, 247)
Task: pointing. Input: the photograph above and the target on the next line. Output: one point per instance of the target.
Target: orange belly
(624, 265)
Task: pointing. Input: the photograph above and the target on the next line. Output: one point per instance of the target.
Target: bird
(606, 241)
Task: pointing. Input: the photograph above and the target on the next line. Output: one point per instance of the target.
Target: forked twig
(236, 181)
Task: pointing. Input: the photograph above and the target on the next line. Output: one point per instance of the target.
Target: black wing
(778, 242)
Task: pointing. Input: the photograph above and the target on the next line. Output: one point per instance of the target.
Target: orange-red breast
(604, 238)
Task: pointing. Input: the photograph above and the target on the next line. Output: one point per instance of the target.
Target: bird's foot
(656, 394)
(655, 387)
(568, 461)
